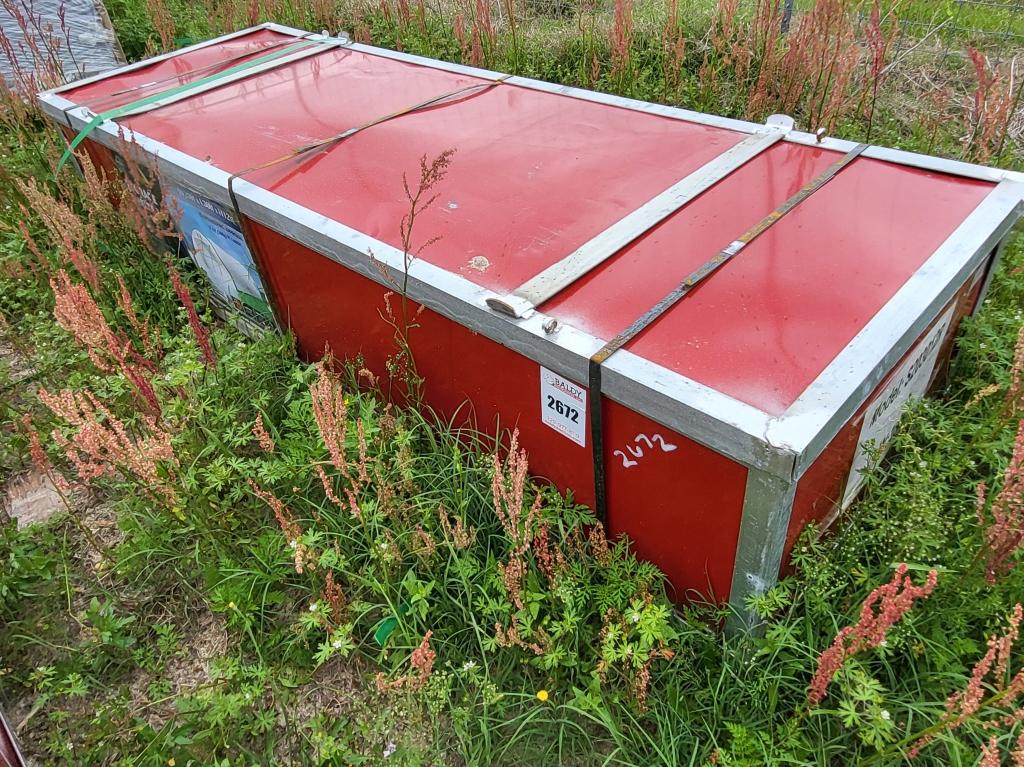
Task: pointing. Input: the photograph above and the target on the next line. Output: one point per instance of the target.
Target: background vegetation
(260, 561)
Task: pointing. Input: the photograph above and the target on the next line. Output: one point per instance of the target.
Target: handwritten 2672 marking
(638, 451)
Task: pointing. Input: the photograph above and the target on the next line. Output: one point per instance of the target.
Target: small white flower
(336, 644)
(635, 617)
(313, 607)
(886, 715)
(389, 749)
(469, 665)
(884, 643)
(294, 544)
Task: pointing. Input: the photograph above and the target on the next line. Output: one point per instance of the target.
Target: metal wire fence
(994, 26)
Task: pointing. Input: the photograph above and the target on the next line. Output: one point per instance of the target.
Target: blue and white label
(213, 238)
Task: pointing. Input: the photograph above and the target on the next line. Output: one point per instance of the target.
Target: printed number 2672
(564, 410)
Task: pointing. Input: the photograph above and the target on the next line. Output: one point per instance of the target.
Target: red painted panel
(266, 117)
(486, 384)
(160, 75)
(678, 501)
(98, 155)
(534, 176)
(822, 485)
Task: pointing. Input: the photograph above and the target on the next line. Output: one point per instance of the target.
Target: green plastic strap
(184, 88)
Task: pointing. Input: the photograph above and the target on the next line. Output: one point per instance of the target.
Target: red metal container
(700, 325)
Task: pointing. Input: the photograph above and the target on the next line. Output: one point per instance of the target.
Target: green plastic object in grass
(388, 625)
(155, 98)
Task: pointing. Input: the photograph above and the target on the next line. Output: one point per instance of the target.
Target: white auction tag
(883, 414)
(563, 406)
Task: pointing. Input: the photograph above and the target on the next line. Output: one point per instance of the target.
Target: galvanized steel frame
(767, 509)
(777, 450)
(990, 273)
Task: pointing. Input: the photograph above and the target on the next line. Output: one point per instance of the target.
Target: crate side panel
(466, 376)
(825, 489)
(101, 157)
(679, 502)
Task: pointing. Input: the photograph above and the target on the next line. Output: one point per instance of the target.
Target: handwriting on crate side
(638, 451)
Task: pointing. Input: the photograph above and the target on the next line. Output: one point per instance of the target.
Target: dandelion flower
(542, 695)
(231, 605)
(171, 762)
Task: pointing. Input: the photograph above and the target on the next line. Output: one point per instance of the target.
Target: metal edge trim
(423, 61)
(154, 59)
(55, 107)
(764, 526)
(438, 289)
(895, 156)
(696, 411)
(990, 273)
(817, 415)
(6, 731)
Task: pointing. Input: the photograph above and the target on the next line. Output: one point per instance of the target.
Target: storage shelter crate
(700, 326)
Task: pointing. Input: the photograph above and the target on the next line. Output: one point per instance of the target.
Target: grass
(229, 608)
(989, 23)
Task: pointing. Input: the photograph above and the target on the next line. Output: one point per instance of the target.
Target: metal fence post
(787, 15)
